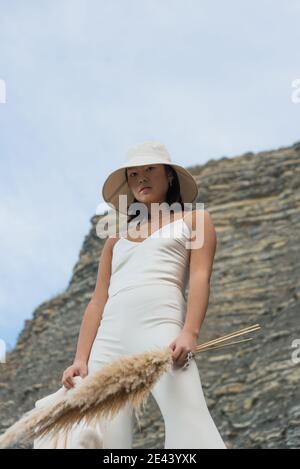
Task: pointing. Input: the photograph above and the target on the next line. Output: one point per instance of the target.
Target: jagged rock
(252, 389)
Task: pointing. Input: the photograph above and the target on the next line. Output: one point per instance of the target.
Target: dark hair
(173, 194)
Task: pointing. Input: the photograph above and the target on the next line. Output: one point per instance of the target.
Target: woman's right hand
(79, 368)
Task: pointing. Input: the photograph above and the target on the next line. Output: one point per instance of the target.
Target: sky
(82, 81)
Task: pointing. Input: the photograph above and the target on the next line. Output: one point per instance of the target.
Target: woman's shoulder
(200, 224)
(111, 240)
(192, 217)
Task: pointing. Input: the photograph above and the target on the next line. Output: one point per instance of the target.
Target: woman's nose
(143, 179)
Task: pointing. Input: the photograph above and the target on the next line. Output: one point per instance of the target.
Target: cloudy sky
(86, 79)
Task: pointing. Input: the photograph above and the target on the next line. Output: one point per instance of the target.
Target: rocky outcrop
(252, 389)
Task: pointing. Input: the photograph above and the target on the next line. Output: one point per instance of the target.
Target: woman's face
(153, 176)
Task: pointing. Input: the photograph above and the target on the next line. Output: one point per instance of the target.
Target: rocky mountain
(252, 389)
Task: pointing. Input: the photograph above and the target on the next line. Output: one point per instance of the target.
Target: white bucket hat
(150, 152)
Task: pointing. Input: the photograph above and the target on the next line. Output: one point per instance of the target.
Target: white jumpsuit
(146, 308)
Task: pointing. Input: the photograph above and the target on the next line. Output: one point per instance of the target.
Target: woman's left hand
(184, 343)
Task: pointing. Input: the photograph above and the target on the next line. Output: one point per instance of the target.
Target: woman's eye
(134, 173)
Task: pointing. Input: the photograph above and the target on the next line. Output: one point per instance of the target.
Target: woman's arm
(201, 264)
(203, 247)
(94, 310)
(92, 317)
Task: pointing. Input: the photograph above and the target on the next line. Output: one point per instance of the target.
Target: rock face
(252, 389)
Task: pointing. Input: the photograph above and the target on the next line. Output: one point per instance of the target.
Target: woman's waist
(144, 306)
(148, 288)
(146, 296)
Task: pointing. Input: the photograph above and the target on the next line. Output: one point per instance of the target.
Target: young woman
(139, 299)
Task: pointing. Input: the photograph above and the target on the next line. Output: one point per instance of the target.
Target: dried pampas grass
(100, 394)
(104, 392)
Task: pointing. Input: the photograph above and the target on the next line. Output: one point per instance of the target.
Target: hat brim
(116, 184)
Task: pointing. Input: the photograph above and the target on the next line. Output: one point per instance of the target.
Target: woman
(139, 300)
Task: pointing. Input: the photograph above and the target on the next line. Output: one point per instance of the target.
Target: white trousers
(128, 326)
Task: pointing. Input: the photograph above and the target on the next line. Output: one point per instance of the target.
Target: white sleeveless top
(162, 258)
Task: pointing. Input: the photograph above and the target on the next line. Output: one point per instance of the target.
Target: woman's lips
(145, 189)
